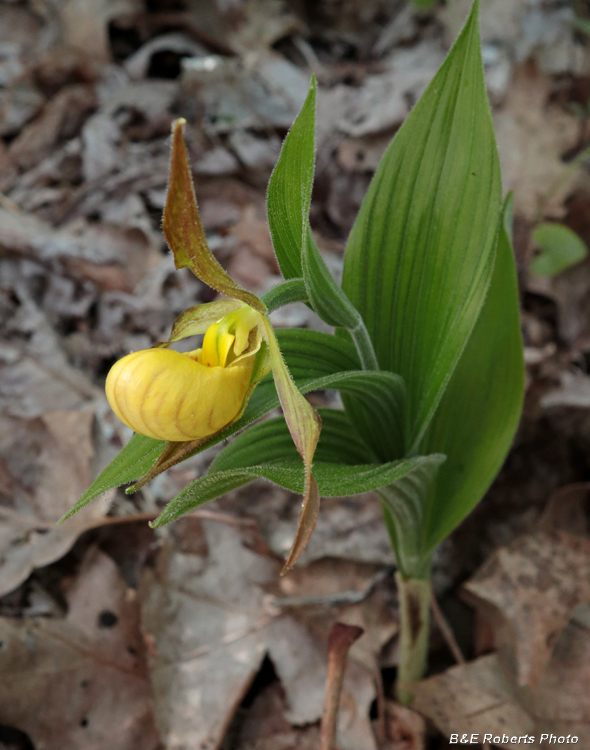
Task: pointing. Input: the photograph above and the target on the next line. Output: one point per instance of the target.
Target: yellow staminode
(167, 395)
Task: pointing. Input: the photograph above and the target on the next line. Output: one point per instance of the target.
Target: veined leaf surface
(480, 410)
(420, 255)
(405, 504)
(270, 441)
(267, 452)
(289, 189)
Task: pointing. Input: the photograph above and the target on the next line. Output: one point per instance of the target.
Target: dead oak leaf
(532, 136)
(62, 467)
(478, 697)
(529, 590)
(80, 682)
(210, 622)
(472, 698)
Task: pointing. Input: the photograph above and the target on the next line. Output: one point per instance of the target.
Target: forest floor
(116, 636)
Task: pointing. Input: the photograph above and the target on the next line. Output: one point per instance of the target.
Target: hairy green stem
(364, 346)
(414, 622)
(294, 291)
(284, 294)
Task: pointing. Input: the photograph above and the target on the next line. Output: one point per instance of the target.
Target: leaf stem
(364, 346)
(283, 294)
(294, 290)
(414, 621)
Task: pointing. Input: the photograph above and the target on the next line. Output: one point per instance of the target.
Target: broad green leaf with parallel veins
(288, 201)
(479, 412)
(283, 294)
(405, 505)
(270, 441)
(420, 255)
(239, 463)
(289, 189)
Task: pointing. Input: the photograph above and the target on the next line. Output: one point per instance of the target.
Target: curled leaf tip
(307, 521)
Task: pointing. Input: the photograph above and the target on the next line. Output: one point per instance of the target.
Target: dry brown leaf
(85, 25)
(201, 623)
(62, 472)
(473, 698)
(405, 729)
(330, 589)
(24, 234)
(252, 230)
(80, 682)
(362, 154)
(532, 136)
(529, 590)
(477, 698)
(264, 726)
(561, 702)
(267, 93)
(384, 101)
(61, 118)
(264, 23)
(351, 528)
(249, 269)
(209, 623)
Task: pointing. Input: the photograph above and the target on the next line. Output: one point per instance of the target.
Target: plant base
(414, 621)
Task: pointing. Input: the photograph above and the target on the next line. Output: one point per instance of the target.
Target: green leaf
(289, 189)
(283, 294)
(380, 396)
(184, 232)
(134, 460)
(479, 412)
(270, 442)
(311, 354)
(560, 249)
(326, 297)
(405, 505)
(420, 255)
(288, 201)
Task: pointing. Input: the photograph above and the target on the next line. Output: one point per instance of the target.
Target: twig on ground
(342, 597)
(446, 631)
(340, 640)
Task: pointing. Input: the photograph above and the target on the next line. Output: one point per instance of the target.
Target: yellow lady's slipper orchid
(167, 395)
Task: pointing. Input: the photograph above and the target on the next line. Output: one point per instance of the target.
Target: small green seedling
(560, 249)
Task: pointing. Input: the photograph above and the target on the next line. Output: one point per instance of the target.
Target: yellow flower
(167, 395)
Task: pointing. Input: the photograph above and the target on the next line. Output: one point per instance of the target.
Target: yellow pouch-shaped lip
(166, 395)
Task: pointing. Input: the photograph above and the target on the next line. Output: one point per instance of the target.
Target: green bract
(427, 352)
